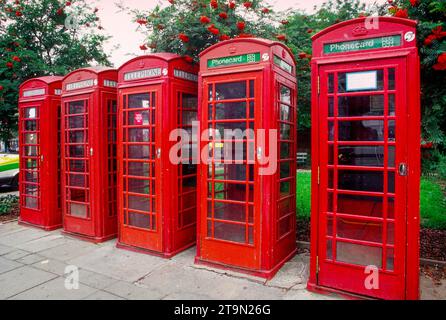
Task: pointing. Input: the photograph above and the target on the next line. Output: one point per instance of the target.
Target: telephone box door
(31, 159)
(77, 166)
(229, 196)
(362, 163)
(140, 129)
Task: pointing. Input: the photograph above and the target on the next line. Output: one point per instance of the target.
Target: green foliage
(35, 41)
(187, 27)
(433, 205)
(299, 30)
(303, 195)
(8, 203)
(431, 17)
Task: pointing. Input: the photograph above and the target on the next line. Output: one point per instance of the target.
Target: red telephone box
(39, 136)
(157, 196)
(366, 159)
(247, 211)
(89, 163)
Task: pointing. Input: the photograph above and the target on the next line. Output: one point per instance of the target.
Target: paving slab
(307, 295)
(10, 227)
(117, 263)
(293, 274)
(432, 291)
(31, 259)
(132, 291)
(22, 279)
(55, 290)
(5, 249)
(95, 280)
(102, 295)
(16, 254)
(69, 250)
(16, 238)
(8, 265)
(44, 243)
(50, 265)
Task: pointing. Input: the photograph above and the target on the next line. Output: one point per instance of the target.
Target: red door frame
(351, 277)
(79, 225)
(46, 98)
(243, 256)
(139, 237)
(409, 53)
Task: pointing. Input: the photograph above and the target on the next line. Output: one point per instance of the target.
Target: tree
(299, 30)
(45, 37)
(187, 27)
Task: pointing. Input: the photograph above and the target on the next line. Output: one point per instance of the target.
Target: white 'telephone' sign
(357, 81)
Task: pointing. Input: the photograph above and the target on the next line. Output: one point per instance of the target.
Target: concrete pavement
(35, 264)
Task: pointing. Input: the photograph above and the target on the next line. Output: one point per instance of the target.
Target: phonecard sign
(364, 44)
(357, 81)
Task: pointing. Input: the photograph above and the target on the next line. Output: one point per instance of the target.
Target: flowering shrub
(187, 27)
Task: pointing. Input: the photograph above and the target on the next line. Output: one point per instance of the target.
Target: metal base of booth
(266, 274)
(166, 255)
(46, 228)
(89, 238)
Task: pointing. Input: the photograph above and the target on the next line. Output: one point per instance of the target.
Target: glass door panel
(30, 156)
(360, 167)
(230, 215)
(77, 163)
(139, 120)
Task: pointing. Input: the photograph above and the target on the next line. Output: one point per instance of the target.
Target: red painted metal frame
(263, 253)
(344, 277)
(43, 94)
(168, 84)
(89, 105)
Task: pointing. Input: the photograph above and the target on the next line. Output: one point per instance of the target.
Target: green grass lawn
(432, 207)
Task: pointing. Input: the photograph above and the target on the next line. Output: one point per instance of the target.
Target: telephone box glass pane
(139, 160)
(231, 194)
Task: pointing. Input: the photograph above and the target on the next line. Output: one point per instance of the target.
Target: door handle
(158, 153)
(402, 169)
(259, 153)
(91, 152)
(41, 158)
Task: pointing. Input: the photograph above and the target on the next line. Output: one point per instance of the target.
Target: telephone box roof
(47, 79)
(408, 22)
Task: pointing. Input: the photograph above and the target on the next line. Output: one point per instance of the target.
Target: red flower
(438, 32)
(429, 39)
(204, 20)
(427, 145)
(265, 10)
(160, 27)
(1, 88)
(402, 13)
(214, 4)
(18, 14)
(231, 5)
(281, 37)
(214, 30)
(141, 21)
(442, 58)
(9, 65)
(310, 31)
(171, 1)
(188, 59)
(183, 37)
(152, 45)
(17, 59)
(59, 12)
(68, 3)
(247, 4)
(245, 35)
(413, 2)
(224, 37)
(284, 22)
(223, 15)
(143, 47)
(96, 10)
(302, 55)
(241, 25)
